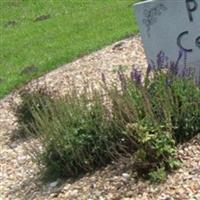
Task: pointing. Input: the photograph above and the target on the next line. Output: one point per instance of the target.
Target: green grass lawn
(48, 33)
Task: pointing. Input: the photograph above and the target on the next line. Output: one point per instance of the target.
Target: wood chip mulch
(18, 174)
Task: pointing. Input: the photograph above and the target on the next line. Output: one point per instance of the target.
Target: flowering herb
(160, 59)
(174, 65)
(136, 76)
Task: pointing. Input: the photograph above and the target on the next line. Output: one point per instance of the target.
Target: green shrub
(176, 100)
(158, 175)
(156, 147)
(156, 115)
(135, 113)
(76, 133)
(88, 129)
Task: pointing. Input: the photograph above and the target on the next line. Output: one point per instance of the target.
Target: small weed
(158, 175)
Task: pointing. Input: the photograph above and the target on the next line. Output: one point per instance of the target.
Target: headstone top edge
(143, 2)
(149, 1)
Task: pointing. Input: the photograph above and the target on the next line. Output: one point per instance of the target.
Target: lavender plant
(175, 93)
(143, 119)
(77, 134)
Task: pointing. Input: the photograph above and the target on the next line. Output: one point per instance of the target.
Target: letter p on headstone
(191, 7)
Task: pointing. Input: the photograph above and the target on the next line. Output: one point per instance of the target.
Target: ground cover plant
(142, 118)
(38, 36)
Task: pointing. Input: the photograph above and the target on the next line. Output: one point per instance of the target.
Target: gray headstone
(168, 26)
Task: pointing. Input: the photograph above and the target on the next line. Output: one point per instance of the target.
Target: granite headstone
(170, 26)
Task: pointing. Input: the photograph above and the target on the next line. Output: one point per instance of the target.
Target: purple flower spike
(160, 59)
(173, 68)
(136, 76)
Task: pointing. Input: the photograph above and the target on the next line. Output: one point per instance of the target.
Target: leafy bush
(156, 147)
(141, 119)
(137, 114)
(178, 101)
(77, 134)
(157, 114)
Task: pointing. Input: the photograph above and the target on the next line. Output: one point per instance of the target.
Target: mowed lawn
(40, 35)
